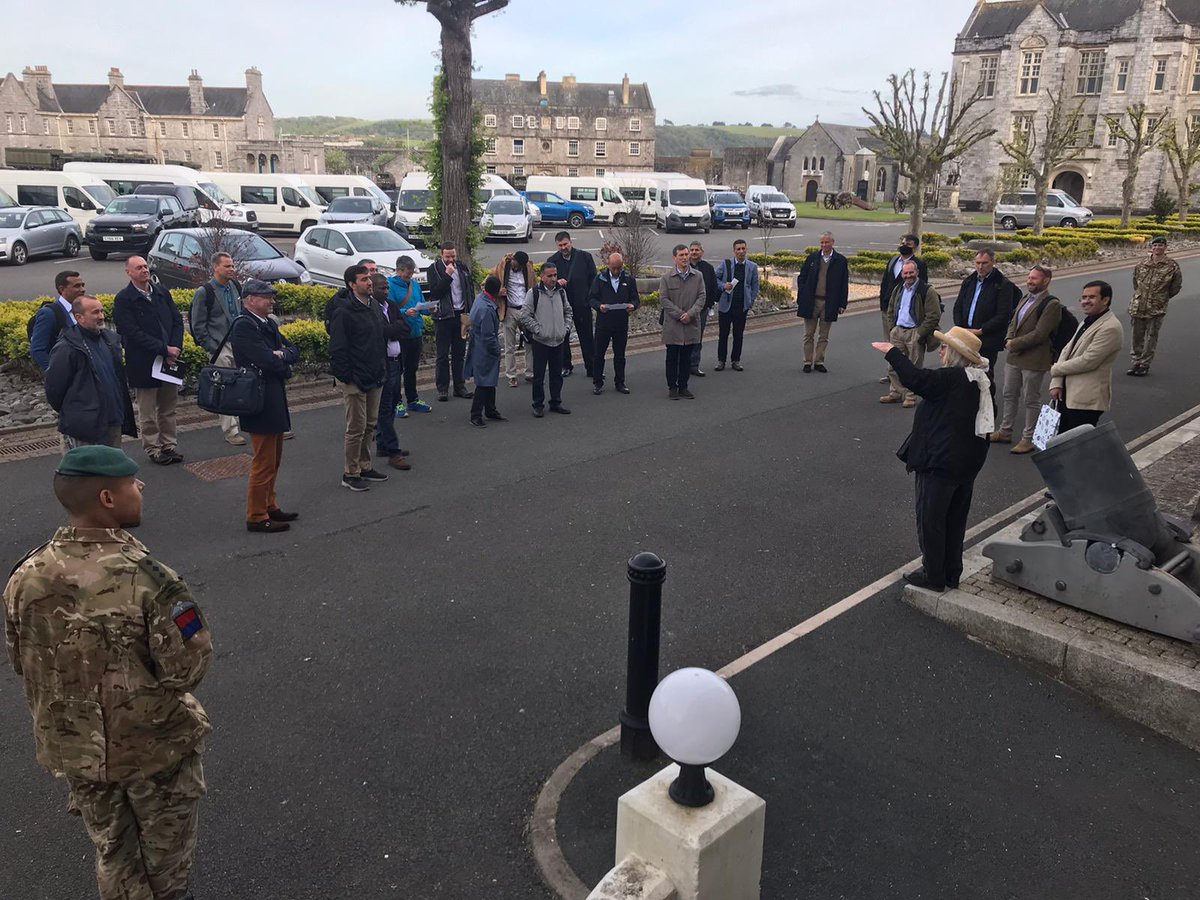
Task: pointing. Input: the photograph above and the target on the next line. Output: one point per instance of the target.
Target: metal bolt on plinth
(647, 572)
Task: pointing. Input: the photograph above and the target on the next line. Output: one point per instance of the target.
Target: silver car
(356, 211)
(506, 216)
(27, 231)
(1062, 210)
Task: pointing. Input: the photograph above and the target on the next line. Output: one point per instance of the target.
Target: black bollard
(647, 572)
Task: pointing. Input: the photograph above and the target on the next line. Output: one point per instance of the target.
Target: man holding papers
(614, 297)
(739, 282)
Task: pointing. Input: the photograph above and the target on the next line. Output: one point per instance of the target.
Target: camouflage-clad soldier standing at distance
(1155, 281)
(109, 644)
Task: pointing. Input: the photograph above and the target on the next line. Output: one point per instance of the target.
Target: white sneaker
(236, 439)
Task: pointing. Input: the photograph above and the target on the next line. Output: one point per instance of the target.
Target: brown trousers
(907, 341)
(818, 327)
(156, 416)
(362, 412)
(264, 468)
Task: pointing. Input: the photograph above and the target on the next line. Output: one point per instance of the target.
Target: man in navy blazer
(614, 297)
(739, 283)
(822, 293)
(150, 326)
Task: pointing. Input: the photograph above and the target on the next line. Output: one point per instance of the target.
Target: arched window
(881, 180)
(805, 164)
(822, 168)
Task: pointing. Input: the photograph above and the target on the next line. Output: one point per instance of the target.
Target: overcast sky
(773, 61)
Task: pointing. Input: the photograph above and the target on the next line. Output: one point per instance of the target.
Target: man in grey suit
(215, 305)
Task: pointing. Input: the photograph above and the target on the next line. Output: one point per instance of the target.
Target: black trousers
(410, 358)
(582, 315)
(619, 336)
(698, 347)
(942, 509)
(547, 357)
(679, 365)
(726, 321)
(451, 350)
(1073, 418)
(483, 401)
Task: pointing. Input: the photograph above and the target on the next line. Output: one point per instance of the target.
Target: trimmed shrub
(936, 259)
(310, 339)
(867, 266)
(1017, 256)
(777, 293)
(934, 239)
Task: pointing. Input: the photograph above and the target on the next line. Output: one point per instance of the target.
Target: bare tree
(635, 241)
(1038, 150)
(923, 139)
(1181, 144)
(1139, 138)
(455, 18)
(218, 236)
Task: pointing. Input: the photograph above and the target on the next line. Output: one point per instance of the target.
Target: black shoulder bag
(230, 391)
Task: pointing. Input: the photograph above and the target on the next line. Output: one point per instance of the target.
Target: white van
(769, 204)
(416, 198)
(638, 189)
(124, 178)
(683, 205)
(330, 187)
(78, 194)
(601, 194)
(281, 202)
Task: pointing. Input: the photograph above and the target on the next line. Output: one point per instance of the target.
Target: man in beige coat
(681, 293)
(1081, 380)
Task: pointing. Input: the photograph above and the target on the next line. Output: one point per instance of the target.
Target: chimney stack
(625, 90)
(115, 78)
(512, 76)
(542, 82)
(196, 94)
(254, 80)
(568, 81)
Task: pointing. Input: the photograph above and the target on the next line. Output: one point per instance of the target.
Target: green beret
(96, 462)
(1158, 240)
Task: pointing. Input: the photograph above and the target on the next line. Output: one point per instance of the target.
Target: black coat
(146, 329)
(579, 273)
(438, 284)
(254, 344)
(602, 293)
(993, 310)
(943, 440)
(75, 391)
(712, 288)
(837, 286)
(358, 345)
(889, 282)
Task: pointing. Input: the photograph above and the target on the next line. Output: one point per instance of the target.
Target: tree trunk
(916, 206)
(457, 195)
(1181, 185)
(1127, 193)
(1041, 185)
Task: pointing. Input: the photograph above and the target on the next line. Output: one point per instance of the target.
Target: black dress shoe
(918, 578)
(807, 368)
(463, 393)
(495, 416)
(566, 373)
(538, 412)
(697, 373)
(560, 409)
(175, 455)
(720, 367)
(278, 515)
(479, 423)
(443, 396)
(598, 389)
(621, 389)
(737, 367)
(821, 368)
(267, 527)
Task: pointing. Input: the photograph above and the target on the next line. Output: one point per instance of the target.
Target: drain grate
(221, 467)
(29, 449)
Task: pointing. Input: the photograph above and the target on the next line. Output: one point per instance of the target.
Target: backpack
(1064, 332)
(209, 298)
(60, 320)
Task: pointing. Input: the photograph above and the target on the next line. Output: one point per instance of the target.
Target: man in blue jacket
(822, 293)
(738, 280)
(50, 321)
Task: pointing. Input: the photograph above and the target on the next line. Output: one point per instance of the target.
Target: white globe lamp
(695, 718)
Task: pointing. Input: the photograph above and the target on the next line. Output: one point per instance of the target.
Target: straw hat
(967, 343)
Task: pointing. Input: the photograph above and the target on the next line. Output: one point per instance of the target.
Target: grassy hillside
(680, 140)
(345, 126)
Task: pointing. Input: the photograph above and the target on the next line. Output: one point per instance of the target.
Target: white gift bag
(1047, 425)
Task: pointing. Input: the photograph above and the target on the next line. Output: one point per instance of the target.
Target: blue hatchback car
(729, 210)
(555, 209)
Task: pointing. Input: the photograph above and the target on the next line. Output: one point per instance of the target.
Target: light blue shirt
(616, 281)
(904, 316)
(971, 314)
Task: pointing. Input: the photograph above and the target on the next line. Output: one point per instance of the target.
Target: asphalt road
(36, 278)
(396, 677)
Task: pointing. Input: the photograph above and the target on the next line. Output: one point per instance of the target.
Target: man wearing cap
(215, 305)
(1155, 281)
(258, 344)
(85, 381)
(109, 644)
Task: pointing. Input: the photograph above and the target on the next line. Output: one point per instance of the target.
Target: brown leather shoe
(399, 462)
(889, 398)
(1023, 446)
(910, 403)
(999, 437)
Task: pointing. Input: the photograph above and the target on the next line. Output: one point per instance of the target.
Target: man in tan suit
(1081, 380)
(1030, 355)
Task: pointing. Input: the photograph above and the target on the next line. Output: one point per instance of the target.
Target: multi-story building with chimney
(565, 127)
(208, 127)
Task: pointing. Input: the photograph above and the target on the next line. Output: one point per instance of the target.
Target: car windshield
(726, 197)
(136, 206)
(351, 205)
(688, 197)
(310, 195)
(251, 247)
(416, 201)
(505, 207)
(215, 192)
(775, 198)
(11, 219)
(101, 193)
(377, 241)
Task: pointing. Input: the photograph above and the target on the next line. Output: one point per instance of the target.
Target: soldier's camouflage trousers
(1145, 340)
(144, 831)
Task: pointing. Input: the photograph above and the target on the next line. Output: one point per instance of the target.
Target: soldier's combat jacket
(1154, 283)
(109, 643)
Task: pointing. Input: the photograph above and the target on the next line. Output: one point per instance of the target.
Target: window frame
(572, 123)
(1089, 77)
(489, 120)
(517, 121)
(1121, 79)
(601, 123)
(989, 69)
(573, 148)
(1158, 77)
(635, 124)
(518, 146)
(1030, 73)
(601, 150)
(635, 148)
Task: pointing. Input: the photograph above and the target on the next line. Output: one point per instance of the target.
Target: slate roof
(997, 19)
(594, 95)
(849, 139)
(156, 100)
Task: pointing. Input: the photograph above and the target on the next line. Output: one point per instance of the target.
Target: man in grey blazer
(738, 280)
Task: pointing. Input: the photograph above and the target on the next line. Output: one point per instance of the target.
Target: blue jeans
(386, 441)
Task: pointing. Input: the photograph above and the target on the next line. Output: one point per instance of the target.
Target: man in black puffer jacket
(358, 361)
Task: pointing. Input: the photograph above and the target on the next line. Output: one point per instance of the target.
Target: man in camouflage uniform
(109, 644)
(1155, 281)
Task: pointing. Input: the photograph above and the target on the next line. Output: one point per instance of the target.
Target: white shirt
(904, 316)
(67, 307)
(516, 289)
(900, 261)
(456, 291)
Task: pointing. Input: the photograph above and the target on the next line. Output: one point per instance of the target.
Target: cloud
(770, 90)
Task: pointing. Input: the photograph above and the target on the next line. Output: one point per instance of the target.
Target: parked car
(180, 258)
(132, 224)
(326, 251)
(1062, 210)
(356, 210)
(728, 209)
(506, 217)
(555, 209)
(769, 204)
(27, 231)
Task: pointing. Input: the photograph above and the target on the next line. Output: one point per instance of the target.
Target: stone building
(701, 163)
(829, 159)
(565, 128)
(744, 166)
(1103, 55)
(208, 127)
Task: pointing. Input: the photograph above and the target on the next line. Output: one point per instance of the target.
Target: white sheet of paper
(157, 373)
(733, 282)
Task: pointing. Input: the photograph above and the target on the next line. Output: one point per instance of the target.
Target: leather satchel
(230, 391)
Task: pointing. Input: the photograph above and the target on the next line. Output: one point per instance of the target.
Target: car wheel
(576, 220)
(98, 255)
(19, 254)
(1067, 223)
(745, 225)
(72, 248)
(1008, 223)
(619, 220)
(306, 224)
(791, 225)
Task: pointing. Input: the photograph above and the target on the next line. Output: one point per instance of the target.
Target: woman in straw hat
(947, 448)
